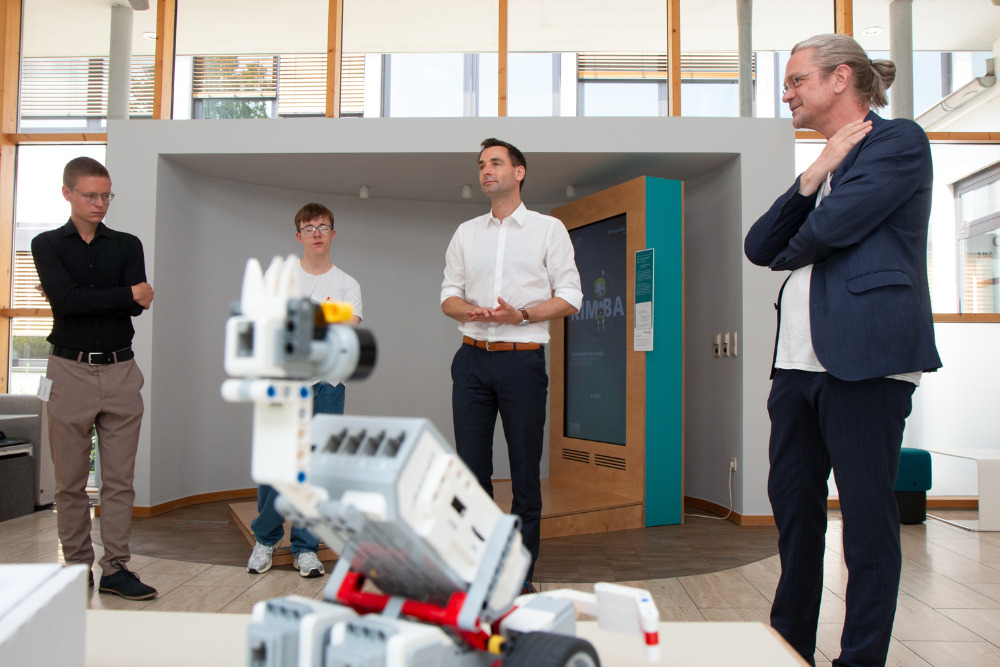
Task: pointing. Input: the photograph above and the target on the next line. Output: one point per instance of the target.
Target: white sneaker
(308, 564)
(260, 558)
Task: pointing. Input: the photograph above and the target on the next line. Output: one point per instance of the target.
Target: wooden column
(334, 57)
(674, 57)
(502, 61)
(166, 48)
(10, 44)
(843, 17)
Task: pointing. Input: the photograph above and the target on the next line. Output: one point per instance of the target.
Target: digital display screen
(596, 336)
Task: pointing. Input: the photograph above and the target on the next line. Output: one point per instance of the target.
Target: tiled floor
(948, 614)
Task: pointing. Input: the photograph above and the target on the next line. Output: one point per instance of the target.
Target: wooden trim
(674, 57)
(965, 137)
(933, 502)
(734, 517)
(843, 17)
(163, 508)
(59, 138)
(25, 312)
(163, 68)
(10, 46)
(941, 137)
(807, 135)
(502, 60)
(8, 152)
(967, 318)
(334, 57)
(953, 502)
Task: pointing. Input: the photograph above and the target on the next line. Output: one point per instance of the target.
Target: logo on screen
(601, 304)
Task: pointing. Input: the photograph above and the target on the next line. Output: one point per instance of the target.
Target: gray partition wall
(206, 195)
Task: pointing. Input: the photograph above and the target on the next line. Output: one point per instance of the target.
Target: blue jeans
(268, 527)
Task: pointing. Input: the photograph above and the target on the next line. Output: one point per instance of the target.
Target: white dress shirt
(526, 258)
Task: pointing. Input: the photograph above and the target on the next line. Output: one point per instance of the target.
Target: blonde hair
(870, 78)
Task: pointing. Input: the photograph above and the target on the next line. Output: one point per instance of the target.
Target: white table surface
(169, 639)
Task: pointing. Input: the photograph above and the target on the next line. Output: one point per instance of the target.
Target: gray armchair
(36, 431)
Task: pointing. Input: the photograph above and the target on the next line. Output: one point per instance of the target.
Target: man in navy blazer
(855, 332)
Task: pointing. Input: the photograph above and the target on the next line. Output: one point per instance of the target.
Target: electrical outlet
(725, 344)
(733, 346)
(732, 464)
(717, 345)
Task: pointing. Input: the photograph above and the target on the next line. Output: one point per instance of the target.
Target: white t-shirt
(334, 285)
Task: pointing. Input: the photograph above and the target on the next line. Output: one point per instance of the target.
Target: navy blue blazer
(869, 302)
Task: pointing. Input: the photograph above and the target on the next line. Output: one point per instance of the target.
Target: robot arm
(276, 345)
(392, 498)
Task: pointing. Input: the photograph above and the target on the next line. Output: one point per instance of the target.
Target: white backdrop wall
(203, 196)
(201, 248)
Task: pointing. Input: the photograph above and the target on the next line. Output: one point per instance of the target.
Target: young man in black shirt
(95, 280)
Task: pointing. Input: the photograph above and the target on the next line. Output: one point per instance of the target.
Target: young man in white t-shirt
(321, 281)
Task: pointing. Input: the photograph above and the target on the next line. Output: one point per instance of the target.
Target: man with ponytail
(855, 333)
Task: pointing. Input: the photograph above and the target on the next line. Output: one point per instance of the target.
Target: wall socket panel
(732, 464)
(725, 344)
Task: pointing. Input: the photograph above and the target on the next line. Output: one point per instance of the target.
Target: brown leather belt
(500, 346)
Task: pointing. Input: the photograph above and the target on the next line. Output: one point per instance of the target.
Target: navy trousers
(819, 422)
(514, 384)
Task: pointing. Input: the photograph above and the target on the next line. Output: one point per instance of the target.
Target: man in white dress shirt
(507, 273)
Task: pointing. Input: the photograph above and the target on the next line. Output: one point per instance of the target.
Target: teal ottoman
(912, 482)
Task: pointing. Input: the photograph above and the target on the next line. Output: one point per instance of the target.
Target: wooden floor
(215, 533)
(949, 599)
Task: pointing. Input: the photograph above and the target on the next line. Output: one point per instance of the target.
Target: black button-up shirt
(89, 286)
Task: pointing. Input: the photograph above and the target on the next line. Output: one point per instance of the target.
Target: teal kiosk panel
(665, 362)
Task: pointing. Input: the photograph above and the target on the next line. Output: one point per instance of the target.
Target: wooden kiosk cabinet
(616, 439)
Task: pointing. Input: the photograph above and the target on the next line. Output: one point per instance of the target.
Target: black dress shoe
(126, 584)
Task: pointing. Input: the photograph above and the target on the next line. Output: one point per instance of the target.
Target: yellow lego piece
(336, 311)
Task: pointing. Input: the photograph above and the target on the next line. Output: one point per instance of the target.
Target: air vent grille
(616, 462)
(576, 455)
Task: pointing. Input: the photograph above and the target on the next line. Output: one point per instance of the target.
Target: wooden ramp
(576, 509)
(567, 509)
(245, 512)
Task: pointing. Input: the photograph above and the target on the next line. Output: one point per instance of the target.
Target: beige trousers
(106, 396)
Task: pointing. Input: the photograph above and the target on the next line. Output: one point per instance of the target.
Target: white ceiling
(82, 27)
(439, 177)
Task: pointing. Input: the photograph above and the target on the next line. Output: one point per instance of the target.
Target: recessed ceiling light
(872, 30)
(149, 35)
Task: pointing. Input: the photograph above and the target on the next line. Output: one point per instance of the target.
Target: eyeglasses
(796, 81)
(92, 197)
(310, 230)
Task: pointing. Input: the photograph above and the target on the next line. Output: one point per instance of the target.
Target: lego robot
(430, 569)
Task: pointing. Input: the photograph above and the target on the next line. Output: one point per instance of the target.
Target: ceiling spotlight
(149, 35)
(570, 192)
(872, 30)
(363, 192)
(466, 191)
